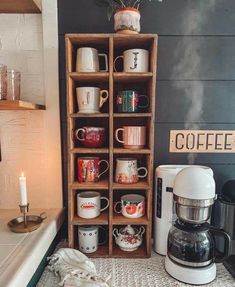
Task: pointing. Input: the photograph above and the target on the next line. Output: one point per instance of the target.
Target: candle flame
(22, 174)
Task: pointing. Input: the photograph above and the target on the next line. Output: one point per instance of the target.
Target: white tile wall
(30, 139)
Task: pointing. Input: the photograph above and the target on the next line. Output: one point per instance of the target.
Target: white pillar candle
(23, 191)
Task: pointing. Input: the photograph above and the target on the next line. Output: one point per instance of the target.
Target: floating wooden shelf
(132, 115)
(89, 77)
(98, 115)
(103, 184)
(131, 151)
(102, 219)
(89, 150)
(119, 219)
(6, 105)
(113, 45)
(20, 6)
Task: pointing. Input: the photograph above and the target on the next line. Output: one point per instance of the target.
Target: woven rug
(138, 273)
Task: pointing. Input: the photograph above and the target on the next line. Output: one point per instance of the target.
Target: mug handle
(77, 136)
(115, 234)
(116, 205)
(142, 168)
(147, 99)
(106, 62)
(106, 236)
(141, 231)
(103, 99)
(221, 256)
(104, 208)
(103, 160)
(116, 135)
(114, 63)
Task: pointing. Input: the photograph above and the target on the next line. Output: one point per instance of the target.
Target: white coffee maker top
(195, 183)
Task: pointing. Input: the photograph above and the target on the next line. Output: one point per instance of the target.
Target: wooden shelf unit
(113, 45)
(20, 6)
(6, 105)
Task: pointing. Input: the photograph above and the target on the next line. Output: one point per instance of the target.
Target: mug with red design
(89, 204)
(89, 168)
(130, 101)
(131, 206)
(91, 137)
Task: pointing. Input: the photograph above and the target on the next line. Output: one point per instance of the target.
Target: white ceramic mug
(88, 238)
(90, 99)
(88, 60)
(133, 137)
(89, 204)
(127, 171)
(131, 206)
(134, 61)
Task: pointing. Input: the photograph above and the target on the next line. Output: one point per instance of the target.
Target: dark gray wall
(196, 49)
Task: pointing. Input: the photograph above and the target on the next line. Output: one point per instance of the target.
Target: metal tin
(33, 222)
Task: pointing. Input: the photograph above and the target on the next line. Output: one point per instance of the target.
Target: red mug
(91, 137)
(89, 169)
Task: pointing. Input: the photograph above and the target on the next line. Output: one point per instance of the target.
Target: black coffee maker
(223, 217)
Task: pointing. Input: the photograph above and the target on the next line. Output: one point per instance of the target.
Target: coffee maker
(191, 247)
(164, 210)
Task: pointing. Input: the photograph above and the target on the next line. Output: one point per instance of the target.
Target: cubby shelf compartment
(144, 83)
(6, 105)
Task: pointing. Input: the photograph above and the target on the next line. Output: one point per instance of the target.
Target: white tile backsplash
(30, 139)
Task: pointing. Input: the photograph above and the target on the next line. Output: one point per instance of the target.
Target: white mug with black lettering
(89, 204)
(134, 61)
(91, 99)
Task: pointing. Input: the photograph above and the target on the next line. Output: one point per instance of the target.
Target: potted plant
(126, 14)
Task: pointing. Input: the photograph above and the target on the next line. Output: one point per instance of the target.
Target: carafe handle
(221, 256)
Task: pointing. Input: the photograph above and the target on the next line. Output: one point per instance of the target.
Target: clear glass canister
(3, 82)
(13, 85)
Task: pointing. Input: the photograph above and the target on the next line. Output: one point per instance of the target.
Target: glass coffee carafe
(194, 245)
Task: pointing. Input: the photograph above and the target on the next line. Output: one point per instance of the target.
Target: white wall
(30, 140)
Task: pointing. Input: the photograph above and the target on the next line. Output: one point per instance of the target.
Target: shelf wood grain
(6, 105)
(97, 115)
(102, 219)
(138, 185)
(20, 6)
(141, 252)
(119, 219)
(90, 77)
(131, 151)
(82, 150)
(103, 184)
(132, 77)
(132, 115)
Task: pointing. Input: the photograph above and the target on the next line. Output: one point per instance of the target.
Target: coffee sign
(202, 141)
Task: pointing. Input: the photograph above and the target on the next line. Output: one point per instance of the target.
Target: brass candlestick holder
(26, 223)
(24, 209)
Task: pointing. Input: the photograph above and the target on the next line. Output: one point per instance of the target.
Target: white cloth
(75, 269)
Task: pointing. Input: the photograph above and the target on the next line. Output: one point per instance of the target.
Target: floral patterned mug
(89, 169)
(127, 171)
